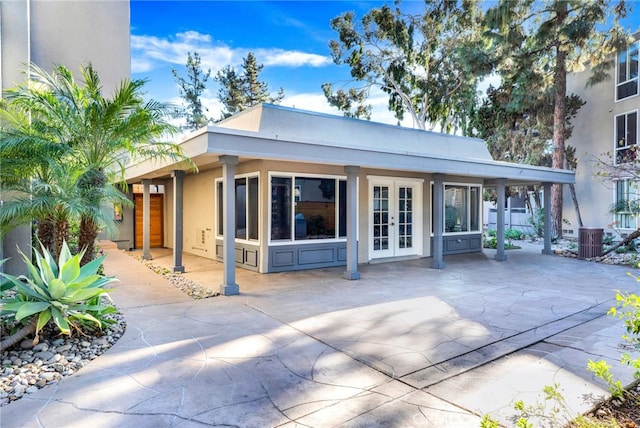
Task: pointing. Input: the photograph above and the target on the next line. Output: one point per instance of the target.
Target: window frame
(469, 198)
(219, 182)
(616, 141)
(337, 198)
(633, 223)
(627, 52)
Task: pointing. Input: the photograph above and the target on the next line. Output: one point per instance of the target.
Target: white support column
(229, 286)
(438, 222)
(547, 218)
(178, 177)
(146, 219)
(500, 190)
(352, 223)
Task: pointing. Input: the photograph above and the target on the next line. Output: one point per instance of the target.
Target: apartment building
(606, 127)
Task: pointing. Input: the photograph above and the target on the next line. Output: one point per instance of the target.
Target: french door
(395, 218)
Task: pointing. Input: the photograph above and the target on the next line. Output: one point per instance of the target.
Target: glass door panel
(393, 219)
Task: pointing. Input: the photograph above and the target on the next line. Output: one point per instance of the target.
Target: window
(308, 208)
(626, 204)
(627, 75)
(246, 193)
(626, 130)
(461, 208)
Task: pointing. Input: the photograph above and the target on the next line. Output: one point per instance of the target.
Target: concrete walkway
(405, 346)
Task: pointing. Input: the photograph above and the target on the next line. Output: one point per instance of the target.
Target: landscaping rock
(28, 368)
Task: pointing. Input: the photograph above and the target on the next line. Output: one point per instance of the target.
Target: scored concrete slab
(404, 346)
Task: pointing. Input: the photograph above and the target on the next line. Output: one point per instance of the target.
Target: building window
(461, 208)
(246, 194)
(627, 75)
(626, 130)
(308, 208)
(626, 204)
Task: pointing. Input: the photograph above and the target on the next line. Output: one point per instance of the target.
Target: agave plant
(64, 292)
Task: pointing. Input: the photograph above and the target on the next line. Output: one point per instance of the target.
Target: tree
(537, 43)
(92, 136)
(520, 129)
(191, 89)
(239, 91)
(427, 64)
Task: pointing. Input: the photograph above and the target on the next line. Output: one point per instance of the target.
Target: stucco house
(607, 123)
(281, 189)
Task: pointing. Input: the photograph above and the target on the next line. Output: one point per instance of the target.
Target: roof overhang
(400, 149)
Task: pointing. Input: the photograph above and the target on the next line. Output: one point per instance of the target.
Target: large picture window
(308, 207)
(246, 194)
(626, 129)
(627, 72)
(626, 204)
(461, 208)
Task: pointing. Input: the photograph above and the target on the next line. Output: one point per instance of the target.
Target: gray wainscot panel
(246, 255)
(458, 244)
(284, 258)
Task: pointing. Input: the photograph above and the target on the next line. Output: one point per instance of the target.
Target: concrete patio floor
(403, 346)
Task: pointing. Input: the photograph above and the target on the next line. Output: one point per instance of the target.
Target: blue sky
(290, 38)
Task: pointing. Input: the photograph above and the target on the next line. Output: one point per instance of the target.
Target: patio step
(463, 363)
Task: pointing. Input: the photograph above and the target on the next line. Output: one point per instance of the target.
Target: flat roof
(280, 133)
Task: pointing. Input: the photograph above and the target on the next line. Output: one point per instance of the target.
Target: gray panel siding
(342, 254)
(246, 255)
(306, 256)
(316, 255)
(251, 258)
(282, 257)
(458, 244)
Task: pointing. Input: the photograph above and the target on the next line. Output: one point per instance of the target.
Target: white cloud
(140, 65)
(279, 57)
(150, 52)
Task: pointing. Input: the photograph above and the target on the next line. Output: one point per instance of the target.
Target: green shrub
(514, 234)
(64, 292)
(490, 242)
(627, 309)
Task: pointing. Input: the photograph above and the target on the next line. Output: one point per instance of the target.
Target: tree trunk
(574, 197)
(572, 165)
(559, 114)
(62, 235)
(46, 233)
(625, 241)
(19, 335)
(87, 238)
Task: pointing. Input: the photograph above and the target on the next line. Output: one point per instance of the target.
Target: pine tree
(536, 44)
(191, 89)
(239, 91)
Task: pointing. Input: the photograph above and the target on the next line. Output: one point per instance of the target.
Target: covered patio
(270, 138)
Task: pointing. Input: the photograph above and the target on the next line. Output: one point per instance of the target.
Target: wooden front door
(156, 238)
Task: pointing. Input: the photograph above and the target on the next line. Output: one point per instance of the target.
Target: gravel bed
(27, 368)
(178, 280)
